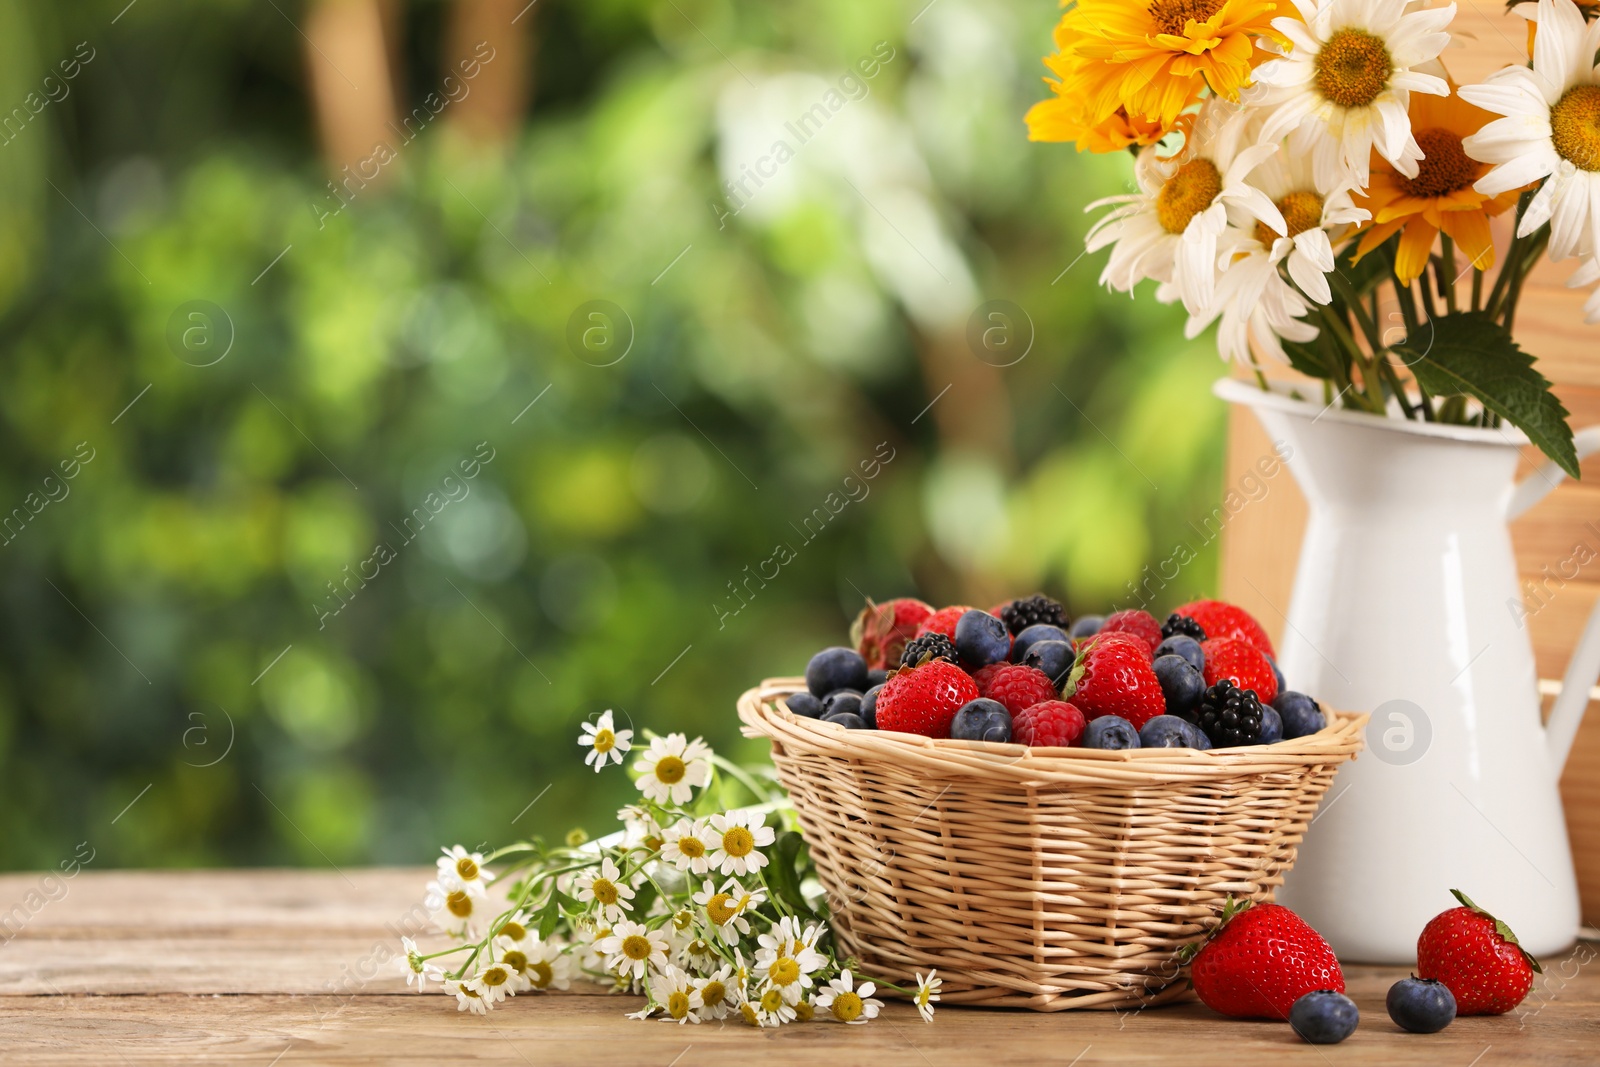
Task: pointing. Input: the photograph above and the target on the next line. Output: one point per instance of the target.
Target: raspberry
(1140, 624)
(1019, 687)
(1048, 724)
(984, 676)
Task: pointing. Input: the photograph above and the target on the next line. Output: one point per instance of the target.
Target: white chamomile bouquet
(708, 911)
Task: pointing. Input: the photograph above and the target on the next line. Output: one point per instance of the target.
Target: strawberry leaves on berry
(1500, 928)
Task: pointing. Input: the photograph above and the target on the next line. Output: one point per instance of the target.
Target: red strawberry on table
(1018, 687)
(1220, 619)
(1260, 960)
(881, 631)
(1113, 677)
(1478, 957)
(923, 700)
(943, 621)
(1140, 624)
(1241, 663)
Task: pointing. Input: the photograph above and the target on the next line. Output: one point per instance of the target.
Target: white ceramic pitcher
(1407, 605)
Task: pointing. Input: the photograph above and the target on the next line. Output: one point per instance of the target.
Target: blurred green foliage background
(780, 332)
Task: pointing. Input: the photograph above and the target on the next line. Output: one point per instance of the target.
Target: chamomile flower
(672, 768)
(453, 909)
(847, 1002)
(717, 993)
(548, 965)
(1550, 130)
(785, 960)
(417, 969)
(1342, 87)
(773, 1008)
(607, 889)
(467, 997)
(928, 986)
(726, 907)
(1168, 230)
(604, 741)
(495, 982)
(684, 846)
(677, 992)
(737, 838)
(465, 869)
(699, 954)
(631, 949)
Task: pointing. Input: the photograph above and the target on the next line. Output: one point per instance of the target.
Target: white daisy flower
(737, 838)
(549, 965)
(604, 741)
(453, 909)
(467, 997)
(677, 992)
(417, 970)
(672, 768)
(772, 1008)
(494, 982)
(1343, 87)
(699, 954)
(631, 948)
(848, 1003)
(1168, 230)
(717, 993)
(638, 825)
(458, 867)
(684, 846)
(726, 907)
(607, 889)
(786, 960)
(1551, 130)
(928, 987)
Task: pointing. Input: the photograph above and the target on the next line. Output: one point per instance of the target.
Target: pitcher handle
(1583, 669)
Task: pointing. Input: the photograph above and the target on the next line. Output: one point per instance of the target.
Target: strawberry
(923, 700)
(1219, 619)
(1260, 960)
(881, 631)
(943, 621)
(1113, 677)
(1019, 687)
(1238, 661)
(1478, 957)
(1048, 724)
(1140, 624)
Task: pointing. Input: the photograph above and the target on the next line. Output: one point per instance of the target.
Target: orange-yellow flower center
(1444, 168)
(466, 868)
(1575, 126)
(605, 891)
(692, 847)
(516, 960)
(678, 1004)
(670, 769)
(713, 993)
(514, 930)
(1352, 68)
(1187, 193)
(720, 909)
(1301, 210)
(604, 741)
(636, 947)
(1174, 16)
(738, 841)
(459, 903)
(784, 971)
(541, 974)
(846, 1007)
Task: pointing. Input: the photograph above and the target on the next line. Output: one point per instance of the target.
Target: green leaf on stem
(783, 873)
(1470, 354)
(1306, 359)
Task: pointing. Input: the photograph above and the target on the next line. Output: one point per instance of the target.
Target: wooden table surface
(266, 967)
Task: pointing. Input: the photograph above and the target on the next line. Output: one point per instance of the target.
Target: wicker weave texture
(1040, 878)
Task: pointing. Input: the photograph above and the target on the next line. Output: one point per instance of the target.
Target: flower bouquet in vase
(1312, 180)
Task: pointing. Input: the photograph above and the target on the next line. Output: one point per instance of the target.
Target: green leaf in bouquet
(1306, 359)
(549, 917)
(1470, 354)
(783, 873)
(1365, 274)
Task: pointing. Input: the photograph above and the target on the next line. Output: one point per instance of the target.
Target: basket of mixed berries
(1045, 811)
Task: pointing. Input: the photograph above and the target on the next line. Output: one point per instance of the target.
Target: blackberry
(928, 646)
(1182, 624)
(1031, 611)
(1229, 715)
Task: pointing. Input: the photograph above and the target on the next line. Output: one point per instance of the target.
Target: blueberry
(981, 720)
(1181, 684)
(836, 668)
(846, 719)
(877, 676)
(1301, 715)
(1324, 1017)
(1110, 731)
(1421, 1005)
(1185, 646)
(805, 704)
(1042, 631)
(869, 706)
(1169, 731)
(1055, 658)
(841, 702)
(1271, 727)
(982, 639)
(1086, 625)
(1276, 673)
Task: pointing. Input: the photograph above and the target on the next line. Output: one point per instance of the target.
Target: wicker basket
(1039, 878)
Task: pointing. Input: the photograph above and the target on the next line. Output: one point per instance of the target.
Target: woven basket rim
(764, 716)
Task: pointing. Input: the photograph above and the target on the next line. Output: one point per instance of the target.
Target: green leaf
(1467, 353)
(783, 873)
(1305, 359)
(549, 916)
(1373, 268)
